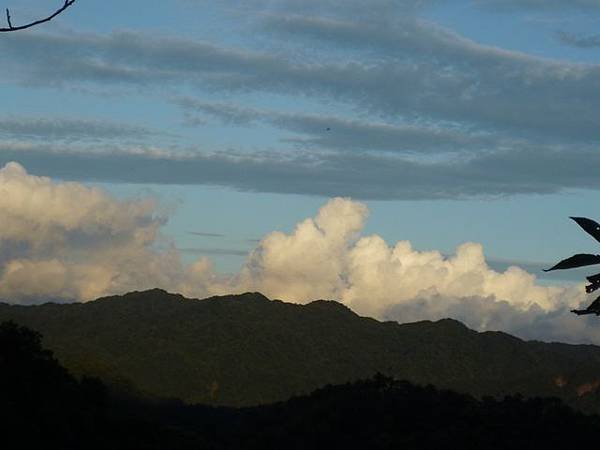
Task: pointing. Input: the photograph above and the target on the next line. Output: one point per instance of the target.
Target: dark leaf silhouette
(594, 308)
(590, 226)
(11, 27)
(582, 259)
(579, 260)
(594, 283)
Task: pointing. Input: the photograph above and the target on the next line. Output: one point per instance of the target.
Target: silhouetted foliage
(11, 27)
(382, 413)
(43, 406)
(581, 260)
(40, 402)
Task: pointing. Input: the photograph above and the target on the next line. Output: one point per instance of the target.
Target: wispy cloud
(421, 111)
(57, 128)
(339, 133)
(327, 174)
(206, 234)
(540, 5)
(435, 73)
(419, 68)
(212, 251)
(574, 40)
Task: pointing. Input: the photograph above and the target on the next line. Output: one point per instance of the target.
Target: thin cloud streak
(431, 72)
(447, 116)
(206, 234)
(538, 5)
(69, 129)
(337, 133)
(327, 174)
(579, 41)
(214, 251)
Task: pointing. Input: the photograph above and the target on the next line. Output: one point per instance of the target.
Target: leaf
(594, 283)
(590, 226)
(594, 278)
(595, 306)
(578, 260)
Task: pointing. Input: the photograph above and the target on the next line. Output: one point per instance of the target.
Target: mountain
(244, 350)
(43, 406)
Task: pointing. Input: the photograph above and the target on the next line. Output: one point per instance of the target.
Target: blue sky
(454, 121)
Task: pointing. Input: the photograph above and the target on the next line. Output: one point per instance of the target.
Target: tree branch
(37, 22)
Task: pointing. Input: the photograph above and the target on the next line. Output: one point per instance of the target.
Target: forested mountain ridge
(43, 406)
(246, 350)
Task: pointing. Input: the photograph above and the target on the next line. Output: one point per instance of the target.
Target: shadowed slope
(43, 406)
(247, 350)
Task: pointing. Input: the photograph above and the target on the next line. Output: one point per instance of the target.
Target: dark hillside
(248, 350)
(43, 406)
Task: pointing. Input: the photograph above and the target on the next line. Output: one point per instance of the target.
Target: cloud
(539, 5)
(206, 234)
(363, 175)
(579, 41)
(501, 265)
(331, 132)
(454, 118)
(309, 263)
(66, 241)
(375, 9)
(489, 313)
(396, 68)
(326, 257)
(421, 68)
(130, 58)
(214, 251)
(370, 276)
(68, 129)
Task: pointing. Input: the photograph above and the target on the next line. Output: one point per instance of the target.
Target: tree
(585, 259)
(11, 27)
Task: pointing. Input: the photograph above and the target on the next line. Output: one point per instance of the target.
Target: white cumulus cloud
(67, 241)
(326, 257)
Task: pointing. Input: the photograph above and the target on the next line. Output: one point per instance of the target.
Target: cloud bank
(362, 175)
(417, 107)
(366, 99)
(539, 5)
(68, 129)
(575, 40)
(65, 241)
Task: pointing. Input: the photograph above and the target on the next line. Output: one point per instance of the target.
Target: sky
(415, 159)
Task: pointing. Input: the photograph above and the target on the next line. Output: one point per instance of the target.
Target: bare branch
(37, 22)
